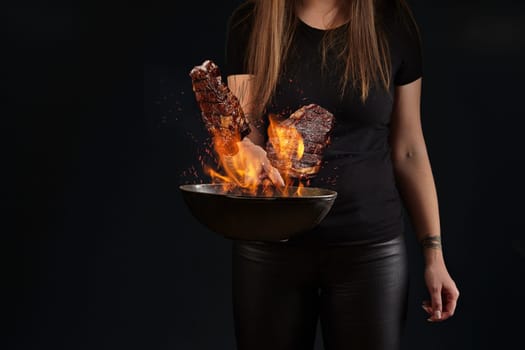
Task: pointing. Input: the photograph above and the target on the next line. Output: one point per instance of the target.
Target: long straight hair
(365, 52)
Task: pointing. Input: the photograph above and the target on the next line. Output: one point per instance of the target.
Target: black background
(108, 257)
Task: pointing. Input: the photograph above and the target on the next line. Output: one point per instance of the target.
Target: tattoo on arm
(432, 242)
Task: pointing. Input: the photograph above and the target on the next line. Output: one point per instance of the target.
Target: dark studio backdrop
(107, 255)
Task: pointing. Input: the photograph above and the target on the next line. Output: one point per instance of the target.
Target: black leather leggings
(359, 293)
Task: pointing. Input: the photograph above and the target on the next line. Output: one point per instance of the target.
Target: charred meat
(220, 109)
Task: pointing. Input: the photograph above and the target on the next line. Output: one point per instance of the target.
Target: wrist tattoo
(432, 242)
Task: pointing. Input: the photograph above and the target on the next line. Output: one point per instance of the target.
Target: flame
(241, 162)
(299, 191)
(288, 145)
(287, 141)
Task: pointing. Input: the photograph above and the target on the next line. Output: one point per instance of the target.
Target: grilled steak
(220, 108)
(314, 124)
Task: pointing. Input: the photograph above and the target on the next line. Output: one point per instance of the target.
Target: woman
(361, 60)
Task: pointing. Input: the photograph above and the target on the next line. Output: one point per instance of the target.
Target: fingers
(263, 165)
(451, 296)
(426, 306)
(437, 306)
(449, 308)
(267, 167)
(444, 301)
(273, 174)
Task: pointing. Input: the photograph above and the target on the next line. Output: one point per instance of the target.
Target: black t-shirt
(357, 164)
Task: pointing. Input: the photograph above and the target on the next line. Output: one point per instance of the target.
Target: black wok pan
(259, 218)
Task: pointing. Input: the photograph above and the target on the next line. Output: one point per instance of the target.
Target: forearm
(240, 85)
(417, 188)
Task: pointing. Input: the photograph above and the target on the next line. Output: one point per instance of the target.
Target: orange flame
(242, 161)
(288, 145)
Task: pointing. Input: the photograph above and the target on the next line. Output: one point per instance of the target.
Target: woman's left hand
(443, 292)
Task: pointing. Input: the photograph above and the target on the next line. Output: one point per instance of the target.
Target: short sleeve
(237, 38)
(411, 55)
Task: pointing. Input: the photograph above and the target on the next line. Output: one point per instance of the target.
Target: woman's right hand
(252, 155)
(256, 166)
